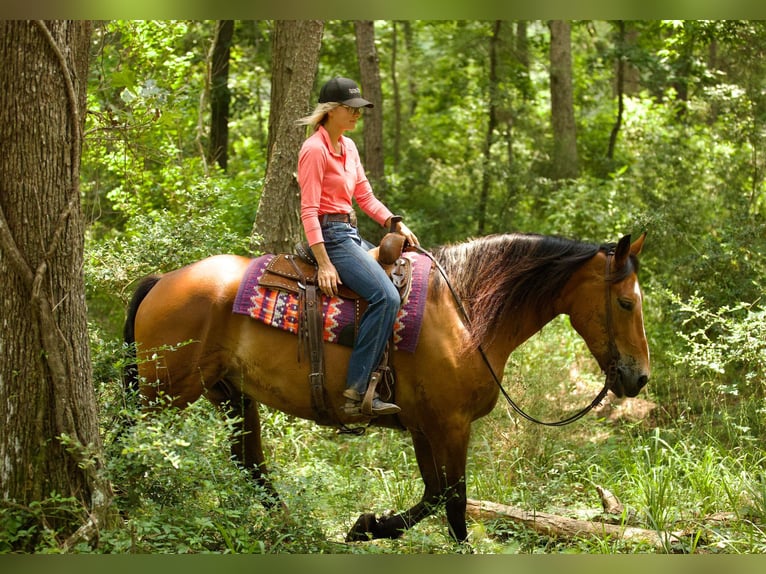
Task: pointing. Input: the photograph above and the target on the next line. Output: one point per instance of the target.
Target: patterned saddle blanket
(281, 309)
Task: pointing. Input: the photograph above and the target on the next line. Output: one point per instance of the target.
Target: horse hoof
(365, 528)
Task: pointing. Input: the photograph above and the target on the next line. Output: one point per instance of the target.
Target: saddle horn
(392, 244)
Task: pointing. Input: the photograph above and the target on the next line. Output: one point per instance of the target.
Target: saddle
(297, 273)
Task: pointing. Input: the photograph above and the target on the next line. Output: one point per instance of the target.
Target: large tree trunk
(220, 95)
(369, 69)
(49, 444)
(564, 158)
(295, 55)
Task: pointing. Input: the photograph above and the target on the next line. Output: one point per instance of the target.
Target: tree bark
(410, 47)
(369, 68)
(296, 46)
(397, 144)
(50, 443)
(521, 53)
(619, 87)
(220, 95)
(564, 157)
(486, 177)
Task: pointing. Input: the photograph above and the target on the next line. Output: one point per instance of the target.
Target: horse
(485, 297)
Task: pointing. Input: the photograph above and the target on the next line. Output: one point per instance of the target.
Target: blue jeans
(360, 272)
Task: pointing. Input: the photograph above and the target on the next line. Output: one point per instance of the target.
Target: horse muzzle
(628, 381)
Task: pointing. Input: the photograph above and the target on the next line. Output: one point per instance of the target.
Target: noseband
(611, 369)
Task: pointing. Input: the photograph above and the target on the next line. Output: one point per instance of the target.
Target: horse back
(179, 324)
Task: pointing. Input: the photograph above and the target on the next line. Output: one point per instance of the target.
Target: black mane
(498, 274)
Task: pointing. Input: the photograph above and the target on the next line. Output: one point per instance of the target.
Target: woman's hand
(328, 279)
(409, 235)
(327, 276)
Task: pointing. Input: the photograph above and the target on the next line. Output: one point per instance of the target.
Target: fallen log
(562, 526)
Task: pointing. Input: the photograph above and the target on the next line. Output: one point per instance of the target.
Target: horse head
(606, 309)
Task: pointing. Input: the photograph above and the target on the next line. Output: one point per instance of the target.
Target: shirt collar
(328, 142)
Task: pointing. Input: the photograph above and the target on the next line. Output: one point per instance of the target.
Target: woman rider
(330, 175)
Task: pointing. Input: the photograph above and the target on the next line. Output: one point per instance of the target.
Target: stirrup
(355, 405)
(371, 394)
(372, 404)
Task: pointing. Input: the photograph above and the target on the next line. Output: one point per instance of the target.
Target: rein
(613, 353)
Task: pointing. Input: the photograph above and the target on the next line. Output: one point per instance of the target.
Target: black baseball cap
(344, 91)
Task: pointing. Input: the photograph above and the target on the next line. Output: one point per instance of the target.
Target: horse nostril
(642, 380)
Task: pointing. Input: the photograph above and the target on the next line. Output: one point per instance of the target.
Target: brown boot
(353, 405)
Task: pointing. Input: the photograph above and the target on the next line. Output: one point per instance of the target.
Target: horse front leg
(443, 474)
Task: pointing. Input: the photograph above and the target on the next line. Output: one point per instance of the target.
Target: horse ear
(621, 252)
(625, 248)
(638, 245)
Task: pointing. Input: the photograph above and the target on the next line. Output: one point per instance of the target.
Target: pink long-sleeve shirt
(329, 181)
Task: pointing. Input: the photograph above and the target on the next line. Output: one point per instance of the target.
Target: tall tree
(220, 95)
(295, 51)
(521, 53)
(564, 157)
(50, 441)
(397, 104)
(369, 69)
(492, 112)
(619, 87)
(410, 46)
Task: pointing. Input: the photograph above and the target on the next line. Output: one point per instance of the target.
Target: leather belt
(349, 218)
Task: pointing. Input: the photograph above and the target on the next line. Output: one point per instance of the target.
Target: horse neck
(580, 286)
(512, 285)
(512, 332)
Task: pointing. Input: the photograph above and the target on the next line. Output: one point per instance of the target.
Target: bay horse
(509, 285)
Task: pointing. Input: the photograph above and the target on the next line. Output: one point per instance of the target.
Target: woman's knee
(393, 299)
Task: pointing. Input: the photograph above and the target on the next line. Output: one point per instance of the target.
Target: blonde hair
(318, 116)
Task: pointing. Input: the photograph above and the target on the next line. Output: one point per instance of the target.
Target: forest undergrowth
(681, 463)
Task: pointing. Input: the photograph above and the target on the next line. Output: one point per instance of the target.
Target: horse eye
(626, 304)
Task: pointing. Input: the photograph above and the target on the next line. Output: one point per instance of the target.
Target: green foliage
(180, 492)
(727, 345)
(209, 220)
(36, 527)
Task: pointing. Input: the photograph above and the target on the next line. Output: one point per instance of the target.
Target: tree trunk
(565, 527)
(565, 163)
(521, 53)
(683, 65)
(397, 144)
(619, 87)
(410, 47)
(50, 442)
(295, 55)
(486, 178)
(631, 73)
(373, 118)
(220, 95)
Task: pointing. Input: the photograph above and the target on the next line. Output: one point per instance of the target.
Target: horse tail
(130, 369)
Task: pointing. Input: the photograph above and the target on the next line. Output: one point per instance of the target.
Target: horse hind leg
(246, 444)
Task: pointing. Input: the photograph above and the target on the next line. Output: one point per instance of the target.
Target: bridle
(614, 355)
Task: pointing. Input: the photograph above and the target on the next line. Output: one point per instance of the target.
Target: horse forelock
(631, 267)
(500, 274)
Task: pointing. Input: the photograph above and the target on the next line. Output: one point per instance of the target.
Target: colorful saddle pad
(281, 309)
